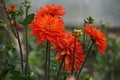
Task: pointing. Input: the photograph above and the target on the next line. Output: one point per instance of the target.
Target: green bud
(86, 21)
(77, 33)
(89, 20)
(31, 74)
(89, 78)
(27, 5)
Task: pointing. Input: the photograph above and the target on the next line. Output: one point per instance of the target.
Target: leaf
(3, 73)
(20, 11)
(9, 46)
(9, 59)
(28, 19)
(15, 54)
(12, 58)
(16, 75)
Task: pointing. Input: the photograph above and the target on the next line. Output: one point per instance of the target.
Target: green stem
(115, 75)
(47, 62)
(84, 36)
(88, 44)
(84, 60)
(73, 60)
(26, 40)
(18, 38)
(58, 72)
(9, 19)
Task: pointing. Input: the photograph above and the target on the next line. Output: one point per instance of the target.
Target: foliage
(107, 65)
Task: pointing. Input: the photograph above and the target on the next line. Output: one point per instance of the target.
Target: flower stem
(4, 6)
(73, 60)
(26, 40)
(84, 60)
(88, 44)
(16, 34)
(58, 72)
(47, 62)
(18, 38)
(84, 36)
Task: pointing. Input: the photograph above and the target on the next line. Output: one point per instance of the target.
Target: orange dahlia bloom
(54, 10)
(65, 46)
(97, 36)
(47, 28)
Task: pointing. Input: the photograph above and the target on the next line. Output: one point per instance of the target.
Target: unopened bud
(27, 5)
(77, 33)
(31, 74)
(71, 78)
(89, 20)
(86, 21)
(89, 78)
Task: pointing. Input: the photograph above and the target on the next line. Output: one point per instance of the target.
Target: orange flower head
(97, 36)
(65, 46)
(47, 28)
(54, 10)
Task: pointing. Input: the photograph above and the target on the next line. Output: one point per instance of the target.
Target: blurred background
(107, 17)
(78, 10)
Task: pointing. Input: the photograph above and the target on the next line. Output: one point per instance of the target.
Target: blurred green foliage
(107, 65)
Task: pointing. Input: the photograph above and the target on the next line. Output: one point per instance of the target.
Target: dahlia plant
(47, 25)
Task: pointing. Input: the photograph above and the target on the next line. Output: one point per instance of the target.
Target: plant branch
(18, 38)
(84, 36)
(84, 60)
(47, 62)
(26, 40)
(73, 60)
(9, 19)
(58, 72)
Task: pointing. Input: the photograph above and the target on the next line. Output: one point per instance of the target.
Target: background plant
(107, 65)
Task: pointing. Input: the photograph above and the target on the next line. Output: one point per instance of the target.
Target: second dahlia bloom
(65, 47)
(54, 10)
(47, 28)
(97, 36)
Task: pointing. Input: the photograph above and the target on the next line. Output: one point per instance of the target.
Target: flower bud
(77, 33)
(90, 78)
(71, 78)
(31, 74)
(27, 5)
(89, 20)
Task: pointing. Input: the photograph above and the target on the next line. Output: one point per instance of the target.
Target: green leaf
(8, 57)
(12, 58)
(3, 73)
(20, 11)
(15, 75)
(9, 46)
(15, 54)
(28, 19)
